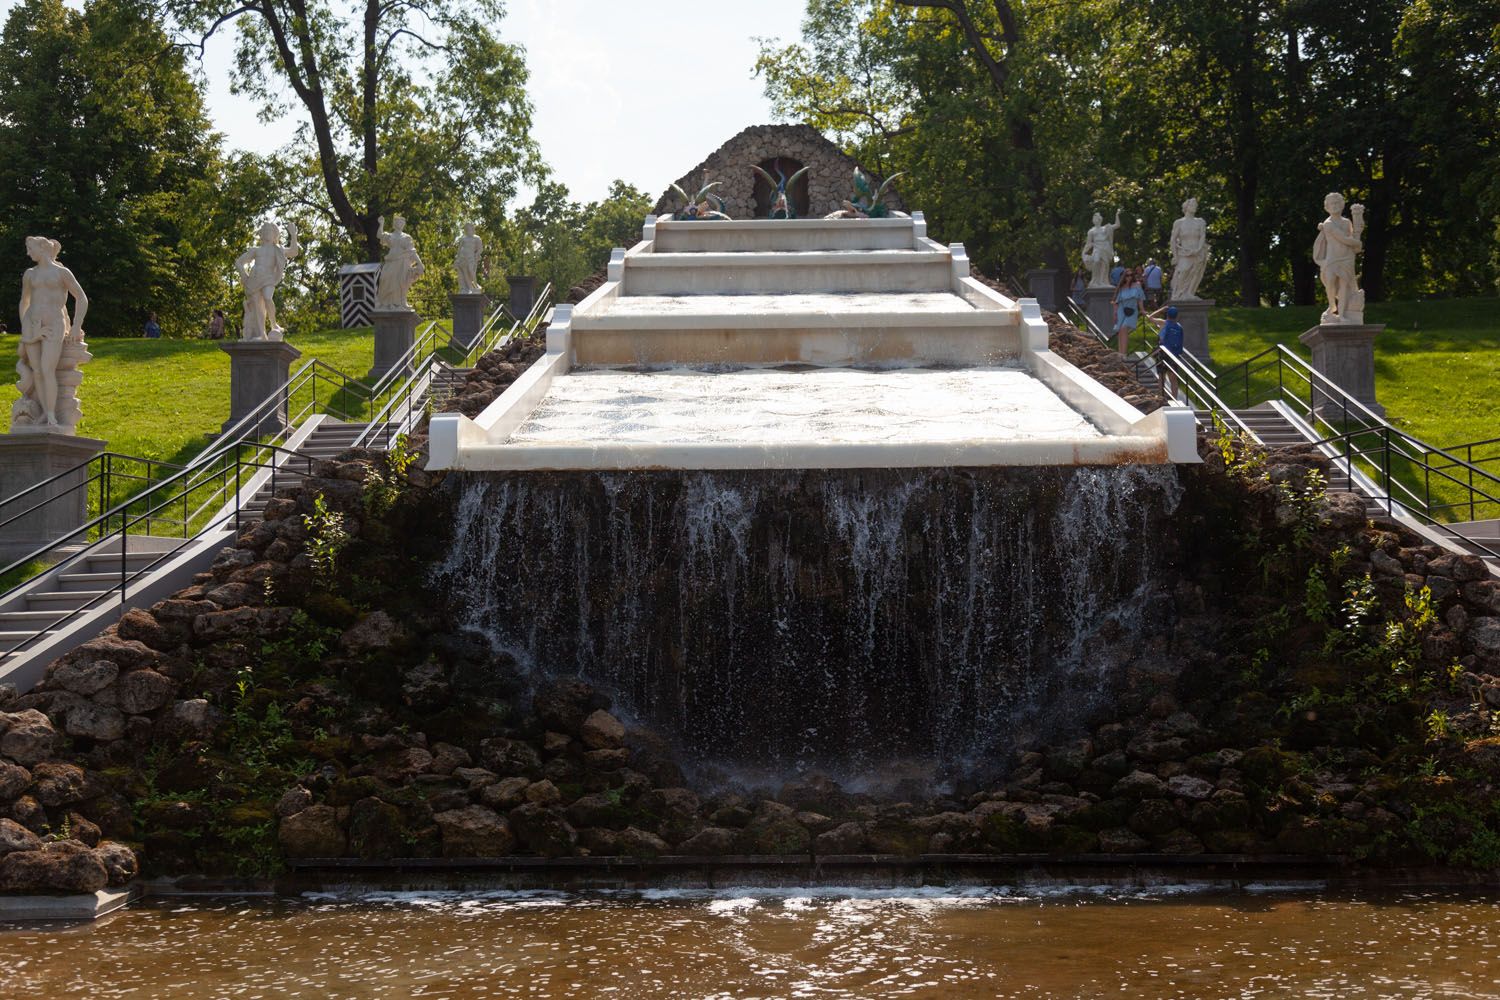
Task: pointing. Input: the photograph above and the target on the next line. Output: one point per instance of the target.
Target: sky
(641, 90)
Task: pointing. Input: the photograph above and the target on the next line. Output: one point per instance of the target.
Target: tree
(409, 104)
(104, 145)
(951, 92)
(559, 240)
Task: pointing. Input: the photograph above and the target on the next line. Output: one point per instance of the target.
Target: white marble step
(764, 272)
(796, 234)
(803, 309)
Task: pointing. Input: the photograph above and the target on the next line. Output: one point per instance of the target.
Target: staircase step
(63, 599)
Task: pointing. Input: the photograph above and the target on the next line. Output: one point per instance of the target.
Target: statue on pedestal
(1334, 251)
(52, 347)
(1099, 250)
(466, 263)
(1189, 248)
(261, 269)
(401, 267)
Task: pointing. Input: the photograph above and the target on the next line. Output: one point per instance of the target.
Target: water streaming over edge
(803, 617)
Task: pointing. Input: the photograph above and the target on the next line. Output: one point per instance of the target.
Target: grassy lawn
(1437, 373)
(1437, 363)
(161, 399)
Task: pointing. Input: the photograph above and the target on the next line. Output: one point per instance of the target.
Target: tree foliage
(1016, 118)
(104, 145)
(562, 241)
(409, 106)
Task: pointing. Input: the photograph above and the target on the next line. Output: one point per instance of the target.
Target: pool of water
(1183, 941)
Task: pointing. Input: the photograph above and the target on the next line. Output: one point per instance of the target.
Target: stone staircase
(58, 598)
(446, 383)
(1275, 430)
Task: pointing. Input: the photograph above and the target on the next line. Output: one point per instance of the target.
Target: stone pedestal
(1345, 353)
(1042, 284)
(27, 459)
(257, 369)
(395, 332)
(522, 294)
(1193, 315)
(469, 312)
(1097, 305)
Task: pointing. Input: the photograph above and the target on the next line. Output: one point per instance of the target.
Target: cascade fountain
(804, 493)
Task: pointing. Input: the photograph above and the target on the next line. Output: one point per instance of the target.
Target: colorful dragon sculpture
(704, 205)
(869, 201)
(781, 206)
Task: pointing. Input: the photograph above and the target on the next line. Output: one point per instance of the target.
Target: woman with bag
(1127, 302)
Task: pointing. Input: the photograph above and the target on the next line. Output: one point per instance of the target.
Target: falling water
(773, 617)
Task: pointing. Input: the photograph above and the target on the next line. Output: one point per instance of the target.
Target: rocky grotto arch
(828, 183)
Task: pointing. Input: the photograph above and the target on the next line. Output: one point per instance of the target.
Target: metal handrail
(258, 459)
(382, 422)
(1199, 390)
(104, 475)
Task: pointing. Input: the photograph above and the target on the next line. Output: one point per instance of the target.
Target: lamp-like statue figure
(1189, 248)
(401, 267)
(1099, 250)
(466, 263)
(261, 269)
(52, 346)
(1334, 251)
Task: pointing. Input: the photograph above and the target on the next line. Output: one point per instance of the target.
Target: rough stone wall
(829, 182)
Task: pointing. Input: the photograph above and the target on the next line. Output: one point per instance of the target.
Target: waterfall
(792, 617)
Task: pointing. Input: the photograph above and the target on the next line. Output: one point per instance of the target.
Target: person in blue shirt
(1153, 283)
(1169, 336)
(153, 328)
(1115, 274)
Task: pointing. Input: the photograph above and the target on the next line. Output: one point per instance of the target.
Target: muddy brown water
(1182, 941)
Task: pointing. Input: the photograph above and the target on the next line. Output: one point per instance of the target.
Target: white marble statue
(401, 267)
(1099, 250)
(1334, 251)
(261, 269)
(52, 347)
(1189, 248)
(466, 263)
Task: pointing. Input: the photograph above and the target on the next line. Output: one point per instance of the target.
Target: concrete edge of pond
(78, 906)
(783, 871)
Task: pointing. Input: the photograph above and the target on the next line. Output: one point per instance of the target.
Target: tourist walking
(1080, 282)
(1152, 275)
(1116, 273)
(153, 328)
(216, 325)
(1127, 302)
(1169, 336)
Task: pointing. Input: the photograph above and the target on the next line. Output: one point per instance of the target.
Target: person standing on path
(1153, 282)
(1127, 303)
(216, 325)
(153, 328)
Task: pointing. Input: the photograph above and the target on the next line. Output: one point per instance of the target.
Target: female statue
(401, 267)
(46, 332)
(466, 263)
(1189, 247)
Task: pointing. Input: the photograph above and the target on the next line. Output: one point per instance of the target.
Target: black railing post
(236, 491)
(1385, 457)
